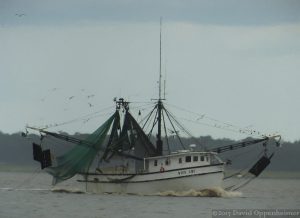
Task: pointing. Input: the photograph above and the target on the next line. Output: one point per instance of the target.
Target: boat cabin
(180, 160)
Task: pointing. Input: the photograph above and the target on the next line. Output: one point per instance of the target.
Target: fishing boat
(121, 157)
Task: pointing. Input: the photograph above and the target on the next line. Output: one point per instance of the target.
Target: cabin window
(207, 158)
(180, 160)
(188, 159)
(155, 162)
(202, 158)
(195, 158)
(167, 162)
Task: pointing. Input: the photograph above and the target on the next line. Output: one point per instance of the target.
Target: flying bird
(90, 105)
(90, 96)
(87, 120)
(20, 15)
(71, 97)
(201, 117)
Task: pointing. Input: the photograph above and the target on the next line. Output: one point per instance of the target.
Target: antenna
(164, 88)
(165, 78)
(160, 76)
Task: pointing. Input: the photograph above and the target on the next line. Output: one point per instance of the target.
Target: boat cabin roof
(181, 153)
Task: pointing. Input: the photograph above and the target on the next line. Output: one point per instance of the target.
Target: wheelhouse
(180, 160)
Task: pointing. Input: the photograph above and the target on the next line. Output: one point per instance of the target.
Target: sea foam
(212, 192)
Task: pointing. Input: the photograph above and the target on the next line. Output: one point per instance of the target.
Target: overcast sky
(234, 61)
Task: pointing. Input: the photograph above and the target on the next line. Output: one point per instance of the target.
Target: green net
(81, 156)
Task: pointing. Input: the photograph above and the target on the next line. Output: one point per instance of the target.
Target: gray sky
(234, 61)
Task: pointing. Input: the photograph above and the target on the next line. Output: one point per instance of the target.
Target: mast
(159, 143)
(160, 76)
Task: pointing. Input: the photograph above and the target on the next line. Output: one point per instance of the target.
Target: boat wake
(68, 190)
(24, 189)
(212, 192)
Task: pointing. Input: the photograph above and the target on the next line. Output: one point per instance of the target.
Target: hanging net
(79, 159)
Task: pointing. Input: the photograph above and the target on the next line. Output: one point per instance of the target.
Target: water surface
(31, 195)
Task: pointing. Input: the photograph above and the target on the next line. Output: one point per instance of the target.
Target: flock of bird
(200, 119)
(71, 97)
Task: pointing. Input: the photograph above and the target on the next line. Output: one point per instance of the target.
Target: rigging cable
(239, 185)
(32, 176)
(85, 117)
(154, 123)
(186, 131)
(148, 117)
(224, 126)
(165, 129)
(239, 172)
(176, 132)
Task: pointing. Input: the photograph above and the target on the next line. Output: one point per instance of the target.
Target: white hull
(197, 178)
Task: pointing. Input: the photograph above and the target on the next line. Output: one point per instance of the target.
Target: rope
(248, 181)
(225, 125)
(84, 118)
(243, 185)
(165, 129)
(32, 176)
(185, 130)
(248, 166)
